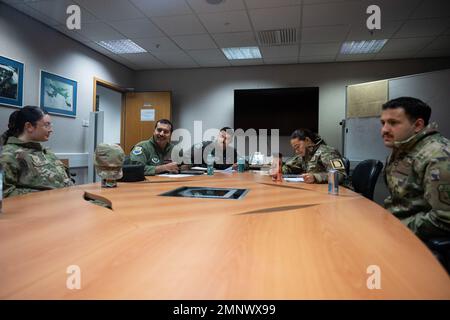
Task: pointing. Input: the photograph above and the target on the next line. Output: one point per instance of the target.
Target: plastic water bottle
(241, 164)
(210, 164)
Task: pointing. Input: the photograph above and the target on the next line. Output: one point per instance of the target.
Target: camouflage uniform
(109, 161)
(150, 155)
(417, 174)
(29, 167)
(318, 161)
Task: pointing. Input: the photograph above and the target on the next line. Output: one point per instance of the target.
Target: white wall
(207, 94)
(40, 47)
(110, 102)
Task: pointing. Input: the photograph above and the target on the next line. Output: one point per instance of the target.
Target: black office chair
(346, 165)
(365, 175)
(441, 249)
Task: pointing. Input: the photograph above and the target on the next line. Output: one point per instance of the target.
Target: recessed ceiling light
(121, 46)
(242, 53)
(364, 46)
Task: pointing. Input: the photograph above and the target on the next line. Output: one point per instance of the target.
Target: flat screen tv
(285, 109)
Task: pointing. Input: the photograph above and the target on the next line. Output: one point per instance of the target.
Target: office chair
(346, 165)
(441, 249)
(365, 175)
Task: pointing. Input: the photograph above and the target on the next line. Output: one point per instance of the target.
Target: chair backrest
(365, 175)
(346, 165)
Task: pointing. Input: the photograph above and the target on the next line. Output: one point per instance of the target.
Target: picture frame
(11, 82)
(58, 95)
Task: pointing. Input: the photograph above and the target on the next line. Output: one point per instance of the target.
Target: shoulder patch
(444, 193)
(155, 160)
(137, 151)
(337, 164)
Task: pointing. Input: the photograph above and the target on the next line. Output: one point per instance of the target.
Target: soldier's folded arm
(435, 222)
(10, 183)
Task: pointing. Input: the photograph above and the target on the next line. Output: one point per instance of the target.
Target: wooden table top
(281, 241)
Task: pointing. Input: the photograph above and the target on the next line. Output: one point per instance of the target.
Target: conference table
(282, 240)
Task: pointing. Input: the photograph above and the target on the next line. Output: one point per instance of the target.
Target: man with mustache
(155, 153)
(417, 172)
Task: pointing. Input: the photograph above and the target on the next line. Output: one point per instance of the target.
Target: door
(142, 110)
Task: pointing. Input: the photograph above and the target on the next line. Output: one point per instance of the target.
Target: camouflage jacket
(150, 155)
(29, 167)
(417, 174)
(319, 160)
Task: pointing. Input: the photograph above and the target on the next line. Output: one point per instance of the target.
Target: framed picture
(11, 82)
(58, 95)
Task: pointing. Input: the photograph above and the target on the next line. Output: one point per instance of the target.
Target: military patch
(155, 160)
(337, 164)
(435, 175)
(137, 151)
(444, 193)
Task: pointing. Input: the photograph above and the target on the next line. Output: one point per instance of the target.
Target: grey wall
(207, 94)
(40, 47)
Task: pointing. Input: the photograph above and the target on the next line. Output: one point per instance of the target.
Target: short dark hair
(226, 129)
(414, 108)
(302, 134)
(165, 121)
(17, 120)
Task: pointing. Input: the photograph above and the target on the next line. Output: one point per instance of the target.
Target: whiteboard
(362, 138)
(432, 88)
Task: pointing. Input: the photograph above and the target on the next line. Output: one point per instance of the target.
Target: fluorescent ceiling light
(365, 46)
(121, 46)
(242, 53)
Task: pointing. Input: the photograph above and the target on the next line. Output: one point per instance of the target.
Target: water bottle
(210, 163)
(241, 164)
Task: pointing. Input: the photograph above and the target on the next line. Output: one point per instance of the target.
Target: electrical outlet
(85, 123)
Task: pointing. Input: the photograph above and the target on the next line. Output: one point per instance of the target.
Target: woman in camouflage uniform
(28, 166)
(314, 158)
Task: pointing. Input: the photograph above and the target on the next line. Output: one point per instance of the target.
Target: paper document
(199, 168)
(300, 179)
(169, 175)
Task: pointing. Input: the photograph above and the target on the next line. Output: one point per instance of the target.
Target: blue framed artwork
(11, 82)
(58, 95)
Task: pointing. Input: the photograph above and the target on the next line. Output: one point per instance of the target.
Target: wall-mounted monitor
(285, 109)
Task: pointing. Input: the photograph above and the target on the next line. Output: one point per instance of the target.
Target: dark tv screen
(285, 109)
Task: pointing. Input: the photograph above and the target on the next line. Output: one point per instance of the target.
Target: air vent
(278, 37)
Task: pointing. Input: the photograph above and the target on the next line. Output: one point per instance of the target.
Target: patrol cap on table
(109, 161)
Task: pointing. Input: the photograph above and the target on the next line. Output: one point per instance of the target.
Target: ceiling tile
(281, 60)
(137, 28)
(432, 54)
(391, 9)
(236, 39)
(423, 28)
(207, 64)
(388, 28)
(159, 44)
(56, 9)
(106, 10)
(393, 55)
(432, 9)
(323, 49)
(97, 31)
(35, 14)
(179, 25)
(355, 57)
(74, 34)
(255, 4)
(324, 34)
(233, 21)
(163, 7)
(275, 18)
(406, 45)
(142, 59)
(196, 41)
(246, 62)
(175, 56)
(201, 6)
(329, 14)
(440, 43)
(208, 55)
(279, 51)
(317, 59)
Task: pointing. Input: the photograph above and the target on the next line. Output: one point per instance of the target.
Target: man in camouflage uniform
(313, 159)
(29, 167)
(417, 172)
(155, 153)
